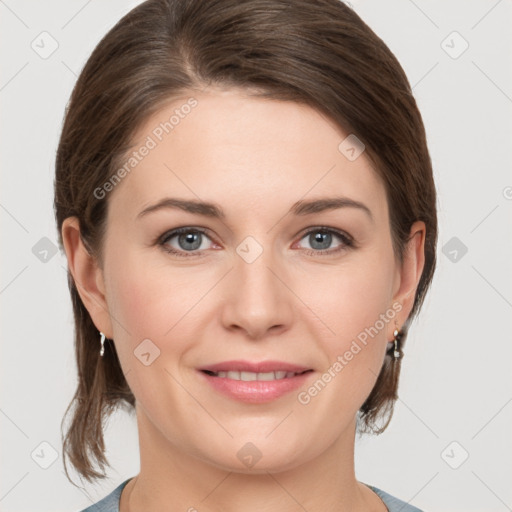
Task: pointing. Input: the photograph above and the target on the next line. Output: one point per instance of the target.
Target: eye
(185, 240)
(189, 241)
(320, 241)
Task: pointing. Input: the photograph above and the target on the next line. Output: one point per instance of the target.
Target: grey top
(110, 503)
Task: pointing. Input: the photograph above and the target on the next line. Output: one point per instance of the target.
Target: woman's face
(263, 274)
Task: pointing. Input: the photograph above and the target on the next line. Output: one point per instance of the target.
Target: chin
(257, 457)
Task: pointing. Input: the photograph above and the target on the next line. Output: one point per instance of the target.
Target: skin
(255, 158)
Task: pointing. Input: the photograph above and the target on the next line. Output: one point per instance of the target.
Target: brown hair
(316, 52)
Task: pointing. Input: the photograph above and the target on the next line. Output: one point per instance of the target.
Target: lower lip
(256, 391)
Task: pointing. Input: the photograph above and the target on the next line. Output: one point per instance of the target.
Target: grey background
(455, 393)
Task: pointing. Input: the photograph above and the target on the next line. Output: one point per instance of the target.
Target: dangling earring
(102, 349)
(396, 352)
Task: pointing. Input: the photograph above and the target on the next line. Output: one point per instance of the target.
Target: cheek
(357, 314)
(148, 314)
(156, 302)
(148, 302)
(351, 298)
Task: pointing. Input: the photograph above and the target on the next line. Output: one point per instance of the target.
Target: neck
(170, 475)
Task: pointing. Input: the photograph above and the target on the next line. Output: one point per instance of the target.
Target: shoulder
(393, 504)
(109, 503)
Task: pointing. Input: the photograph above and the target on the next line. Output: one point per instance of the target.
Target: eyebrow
(215, 211)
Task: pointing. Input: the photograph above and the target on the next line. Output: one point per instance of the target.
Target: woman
(245, 197)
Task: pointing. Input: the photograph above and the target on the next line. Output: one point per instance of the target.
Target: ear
(409, 272)
(87, 275)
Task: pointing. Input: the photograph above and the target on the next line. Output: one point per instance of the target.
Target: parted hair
(315, 52)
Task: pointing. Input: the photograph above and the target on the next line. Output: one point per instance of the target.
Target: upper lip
(256, 367)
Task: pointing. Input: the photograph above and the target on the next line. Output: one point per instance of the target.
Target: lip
(256, 391)
(259, 367)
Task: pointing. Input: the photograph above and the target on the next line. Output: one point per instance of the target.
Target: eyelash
(347, 241)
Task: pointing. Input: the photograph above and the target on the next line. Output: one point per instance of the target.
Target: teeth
(249, 376)
(266, 376)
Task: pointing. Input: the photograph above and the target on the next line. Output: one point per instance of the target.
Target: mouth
(252, 376)
(254, 382)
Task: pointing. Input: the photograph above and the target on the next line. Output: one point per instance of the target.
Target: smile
(255, 387)
(252, 376)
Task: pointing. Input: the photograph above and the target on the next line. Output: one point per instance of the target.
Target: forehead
(245, 151)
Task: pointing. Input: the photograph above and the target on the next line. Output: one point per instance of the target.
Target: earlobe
(411, 269)
(87, 275)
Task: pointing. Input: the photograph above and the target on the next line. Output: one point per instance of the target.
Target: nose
(257, 300)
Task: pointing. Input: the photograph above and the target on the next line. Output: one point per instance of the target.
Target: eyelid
(181, 229)
(326, 229)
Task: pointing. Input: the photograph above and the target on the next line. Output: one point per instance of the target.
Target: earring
(396, 335)
(102, 349)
